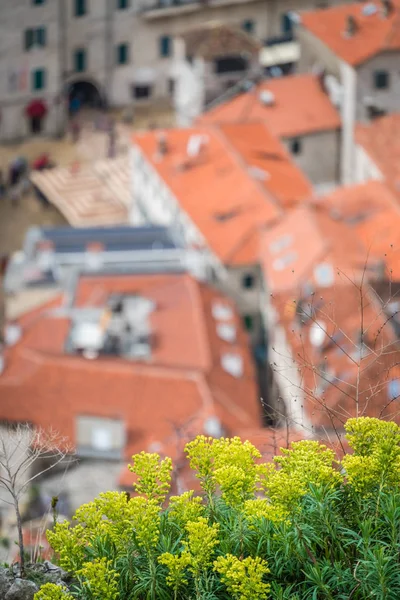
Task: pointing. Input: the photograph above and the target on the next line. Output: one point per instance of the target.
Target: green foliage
(304, 527)
(51, 591)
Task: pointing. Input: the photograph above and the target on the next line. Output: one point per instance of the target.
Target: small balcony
(158, 9)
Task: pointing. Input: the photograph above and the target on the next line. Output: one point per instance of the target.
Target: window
(381, 80)
(248, 322)
(165, 46)
(122, 4)
(286, 24)
(34, 37)
(41, 36)
(141, 91)
(230, 64)
(122, 54)
(80, 60)
(171, 86)
(97, 436)
(38, 79)
(80, 8)
(38, 1)
(295, 146)
(248, 26)
(29, 38)
(248, 281)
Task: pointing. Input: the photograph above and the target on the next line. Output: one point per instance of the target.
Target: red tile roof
(226, 204)
(322, 329)
(179, 387)
(305, 242)
(374, 33)
(371, 213)
(381, 141)
(300, 107)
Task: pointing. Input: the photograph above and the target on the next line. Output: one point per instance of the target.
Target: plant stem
(20, 536)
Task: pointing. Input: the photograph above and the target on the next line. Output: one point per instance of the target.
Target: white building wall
(364, 167)
(348, 114)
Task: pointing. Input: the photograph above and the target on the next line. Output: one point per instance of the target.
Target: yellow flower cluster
(177, 564)
(100, 579)
(226, 463)
(52, 591)
(201, 543)
(261, 508)
(243, 578)
(376, 457)
(146, 522)
(185, 508)
(153, 475)
(69, 542)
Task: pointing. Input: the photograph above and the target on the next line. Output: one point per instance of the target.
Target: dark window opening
(295, 146)
(36, 125)
(122, 4)
(248, 281)
(38, 1)
(122, 54)
(248, 322)
(29, 37)
(141, 91)
(286, 24)
(230, 64)
(248, 26)
(38, 79)
(171, 86)
(381, 80)
(41, 36)
(80, 60)
(80, 8)
(165, 46)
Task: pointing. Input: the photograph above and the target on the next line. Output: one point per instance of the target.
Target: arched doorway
(84, 93)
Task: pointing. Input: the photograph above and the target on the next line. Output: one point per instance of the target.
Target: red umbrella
(36, 108)
(41, 162)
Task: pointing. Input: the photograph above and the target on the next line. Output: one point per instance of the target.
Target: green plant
(305, 526)
(51, 591)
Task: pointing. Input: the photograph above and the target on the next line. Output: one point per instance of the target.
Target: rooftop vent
(317, 334)
(12, 333)
(87, 338)
(369, 9)
(285, 261)
(351, 26)
(324, 275)
(267, 98)
(195, 144)
(222, 312)
(232, 364)
(284, 241)
(213, 427)
(259, 174)
(226, 332)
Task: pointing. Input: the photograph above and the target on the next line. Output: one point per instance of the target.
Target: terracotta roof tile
(178, 388)
(300, 107)
(371, 212)
(226, 204)
(329, 363)
(306, 241)
(215, 39)
(374, 33)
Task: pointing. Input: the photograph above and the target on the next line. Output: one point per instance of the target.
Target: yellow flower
(100, 579)
(52, 591)
(243, 578)
(185, 508)
(154, 475)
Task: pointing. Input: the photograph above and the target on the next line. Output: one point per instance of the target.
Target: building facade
(113, 52)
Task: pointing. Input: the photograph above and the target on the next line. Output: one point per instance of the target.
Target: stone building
(108, 51)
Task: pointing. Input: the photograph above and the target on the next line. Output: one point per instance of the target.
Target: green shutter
(80, 8)
(80, 61)
(122, 54)
(123, 4)
(165, 45)
(29, 35)
(41, 36)
(39, 79)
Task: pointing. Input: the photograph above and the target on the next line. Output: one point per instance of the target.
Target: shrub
(306, 526)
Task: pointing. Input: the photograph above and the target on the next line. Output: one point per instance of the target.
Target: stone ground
(14, 221)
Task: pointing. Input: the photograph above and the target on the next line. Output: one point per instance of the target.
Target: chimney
(162, 145)
(387, 8)
(351, 26)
